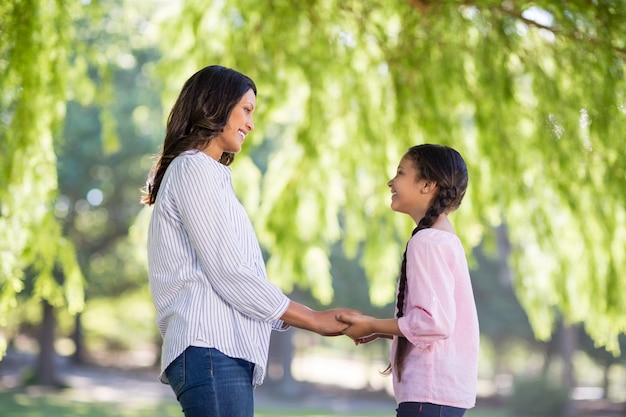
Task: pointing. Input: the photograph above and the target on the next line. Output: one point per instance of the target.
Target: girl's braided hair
(444, 166)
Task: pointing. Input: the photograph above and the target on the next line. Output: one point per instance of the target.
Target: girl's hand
(372, 338)
(360, 327)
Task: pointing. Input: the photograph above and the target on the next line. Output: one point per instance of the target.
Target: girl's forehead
(407, 162)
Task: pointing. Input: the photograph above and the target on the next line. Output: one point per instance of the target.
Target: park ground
(137, 389)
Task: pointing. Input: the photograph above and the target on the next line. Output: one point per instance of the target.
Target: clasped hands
(353, 324)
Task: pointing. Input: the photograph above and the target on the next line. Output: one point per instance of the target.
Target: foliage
(36, 37)
(501, 317)
(108, 323)
(74, 210)
(99, 190)
(538, 397)
(532, 94)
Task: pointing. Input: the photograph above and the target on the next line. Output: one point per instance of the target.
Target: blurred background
(532, 94)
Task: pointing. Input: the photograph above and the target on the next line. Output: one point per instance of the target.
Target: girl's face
(410, 194)
(239, 124)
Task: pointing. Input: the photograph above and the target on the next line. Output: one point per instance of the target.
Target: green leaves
(34, 83)
(532, 96)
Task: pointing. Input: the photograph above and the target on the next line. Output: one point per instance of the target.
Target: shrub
(538, 397)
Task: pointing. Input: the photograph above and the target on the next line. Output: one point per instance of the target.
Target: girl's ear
(429, 186)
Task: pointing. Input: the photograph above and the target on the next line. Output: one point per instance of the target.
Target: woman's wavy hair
(200, 114)
(446, 167)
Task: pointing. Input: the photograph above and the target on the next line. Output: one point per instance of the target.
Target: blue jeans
(208, 383)
(411, 409)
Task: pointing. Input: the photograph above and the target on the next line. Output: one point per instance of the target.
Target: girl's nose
(390, 183)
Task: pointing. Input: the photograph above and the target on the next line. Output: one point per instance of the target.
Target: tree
(57, 53)
(532, 94)
(34, 75)
(99, 189)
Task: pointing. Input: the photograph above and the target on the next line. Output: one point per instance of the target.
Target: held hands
(330, 325)
(360, 327)
(352, 323)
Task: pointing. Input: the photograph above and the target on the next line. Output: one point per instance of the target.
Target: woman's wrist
(302, 317)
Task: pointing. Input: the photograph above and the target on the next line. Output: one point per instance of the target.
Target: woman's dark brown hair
(444, 166)
(200, 114)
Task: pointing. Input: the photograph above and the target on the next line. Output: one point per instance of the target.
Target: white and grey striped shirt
(207, 274)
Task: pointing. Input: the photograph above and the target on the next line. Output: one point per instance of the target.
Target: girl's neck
(443, 223)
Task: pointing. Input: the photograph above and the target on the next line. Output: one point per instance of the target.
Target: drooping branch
(574, 36)
(424, 6)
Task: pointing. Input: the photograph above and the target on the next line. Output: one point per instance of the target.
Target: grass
(56, 404)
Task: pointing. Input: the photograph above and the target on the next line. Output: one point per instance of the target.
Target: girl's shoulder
(434, 233)
(435, 237)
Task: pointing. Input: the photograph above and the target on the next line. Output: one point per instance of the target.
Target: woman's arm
(321, 322)
(221, 237)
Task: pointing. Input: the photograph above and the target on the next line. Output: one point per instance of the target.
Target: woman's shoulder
(196, 158)
(190, 155)
(184, 158)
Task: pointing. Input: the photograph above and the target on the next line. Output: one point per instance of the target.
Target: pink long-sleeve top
(440, 323)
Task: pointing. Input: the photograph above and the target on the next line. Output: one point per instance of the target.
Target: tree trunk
(79, 356)
(606, 382)
(281, 355)
(46, 370)
(569, 344)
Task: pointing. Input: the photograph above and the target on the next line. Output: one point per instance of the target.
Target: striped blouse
(206, 270)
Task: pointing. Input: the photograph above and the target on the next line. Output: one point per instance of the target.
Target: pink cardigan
(440, 322)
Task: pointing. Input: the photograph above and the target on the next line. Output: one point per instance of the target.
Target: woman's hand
(329, 325)
(324, 323)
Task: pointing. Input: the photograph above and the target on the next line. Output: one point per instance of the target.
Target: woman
(215, 305)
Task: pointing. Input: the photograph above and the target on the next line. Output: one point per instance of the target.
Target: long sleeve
(430, 308)
(223, 240)
(440, 322)
(206, 269)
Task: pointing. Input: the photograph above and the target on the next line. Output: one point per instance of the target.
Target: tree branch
(424, 5)
(518, 15)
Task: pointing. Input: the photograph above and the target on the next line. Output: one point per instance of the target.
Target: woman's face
(237, 128)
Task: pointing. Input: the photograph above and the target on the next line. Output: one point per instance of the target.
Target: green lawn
(21, 404)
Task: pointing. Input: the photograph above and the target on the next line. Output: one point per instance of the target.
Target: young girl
(435, 333)
(215, 305)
